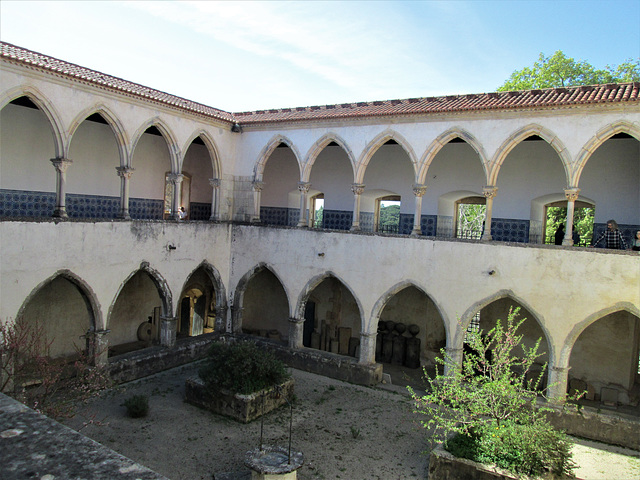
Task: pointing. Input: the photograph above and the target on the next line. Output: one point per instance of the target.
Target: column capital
(571, 193)
(214, 182)
(419, 189)
(175, 178)
(61, 164)
(357, 188)
(303, 187)
(257, 186)
(125, 172)
(368, 335)
(489, 191)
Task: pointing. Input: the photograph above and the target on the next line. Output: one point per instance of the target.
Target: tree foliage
(558, 70)
(389, 217)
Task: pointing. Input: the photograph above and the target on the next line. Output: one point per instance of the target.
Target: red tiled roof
(101, 80)
(550, 97)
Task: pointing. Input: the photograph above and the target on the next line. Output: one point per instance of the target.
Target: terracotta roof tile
(538, 98)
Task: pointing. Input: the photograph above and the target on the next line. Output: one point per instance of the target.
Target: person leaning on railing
(612, 237)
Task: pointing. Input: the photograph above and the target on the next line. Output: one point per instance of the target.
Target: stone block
(609, 396)
(344, 334)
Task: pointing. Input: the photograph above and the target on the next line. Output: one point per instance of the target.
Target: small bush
(137, 406)
(242, 368)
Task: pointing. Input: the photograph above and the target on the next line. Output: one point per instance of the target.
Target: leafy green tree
(582, 221)
(558, 70)
(319, 216)
(389, 217)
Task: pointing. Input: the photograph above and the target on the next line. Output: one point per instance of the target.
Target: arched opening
(411, 334)
(151, 159)
(92, 182)
(265, 307)
(60, 312)
(280, 198)
(332, 319)
(197, 168)
(470, 213)
(604, 361)
(134, 322)
(332, 174)
(198, 305)
(555, 219)
(184, 204)
(27, 178)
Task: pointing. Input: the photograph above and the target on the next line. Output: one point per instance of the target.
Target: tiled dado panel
(366, 221)
(199, 211)
(146, 209)
(92, 206)
(337, 220)
(293, 216)
(428, 225)
(510, 230)
(21, 203)
(274, 215)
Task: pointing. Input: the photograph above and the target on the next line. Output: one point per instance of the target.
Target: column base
(486, 237)
(354, 228)
(416, 232)
(60, 212)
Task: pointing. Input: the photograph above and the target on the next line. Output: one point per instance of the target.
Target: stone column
(168, 331)
(454, 360)
(418, 191)
(296, 329)
(176, 181)
(98, 346)
(257, 192)
(125, 175)
(572, 196)
(61, 165)
(357, 189)
(215, 199)
(557, 384)
(303, 188)
(221, 319)
(489, 193)
(368, 347)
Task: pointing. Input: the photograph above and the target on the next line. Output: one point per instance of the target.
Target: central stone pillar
(303, 188)
(98, 346)
(368, 348)
(296, 330)
(125, 174)
(257, 192)
(357, 189)
(215, 199)
(176, 181)
(418, 191)
(557, 384)
(61, 165)
(572, 196)
(489, 193)
(168, 331)
(454, 360)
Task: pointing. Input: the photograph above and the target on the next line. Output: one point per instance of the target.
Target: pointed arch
(313, 283)
(440, 141)
(112, 120)
(167, 134)
(266, 152)
(319, 146)
(597, 140)
(578, 328)
(517, 137)
(46, 107)
(373, 147)
(216, 280)
(216, 164)
(381, 303)
(162, 287)
(86, 292)
(465, 318)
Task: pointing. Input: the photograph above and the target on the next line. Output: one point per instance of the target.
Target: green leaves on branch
(559, 70)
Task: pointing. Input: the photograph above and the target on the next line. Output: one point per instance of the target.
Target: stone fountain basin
(273, 460)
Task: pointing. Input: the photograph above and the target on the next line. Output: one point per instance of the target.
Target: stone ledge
(34, 446)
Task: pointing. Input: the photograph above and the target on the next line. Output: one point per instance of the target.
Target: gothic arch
(88, 295)
(241, 287)
(266, 152)
(313, 283)
(373, 147)
(397, 288)
(216, 165)
(318, 147)
(216, 279)
(113, 121)
(46, 107)
(515, 138)
(597, 140)
(578, 328)
(440, 141)
(465, 319)
(168, 136)
(159, 282)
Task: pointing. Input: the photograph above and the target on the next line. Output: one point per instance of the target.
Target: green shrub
(137, 406)
(241, 367)
(485, 412)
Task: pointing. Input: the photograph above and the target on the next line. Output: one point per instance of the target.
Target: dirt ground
(344, 431)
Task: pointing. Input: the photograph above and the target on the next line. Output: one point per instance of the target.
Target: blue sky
(244, 55)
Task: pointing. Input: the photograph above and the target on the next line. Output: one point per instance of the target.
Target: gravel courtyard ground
(344, 431)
